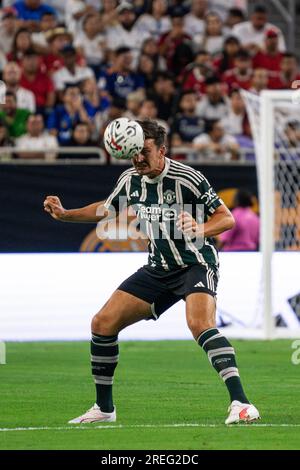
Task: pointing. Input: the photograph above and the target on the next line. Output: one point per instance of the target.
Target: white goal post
(278, 165)
(2, 353)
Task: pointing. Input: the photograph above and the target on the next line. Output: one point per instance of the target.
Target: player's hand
(54, 207)
(188, 225)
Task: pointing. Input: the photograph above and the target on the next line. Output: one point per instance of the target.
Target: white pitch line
(145, 426)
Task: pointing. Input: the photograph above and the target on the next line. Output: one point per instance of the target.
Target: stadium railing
(187, 155)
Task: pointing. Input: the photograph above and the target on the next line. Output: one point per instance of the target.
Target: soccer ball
(124, 138)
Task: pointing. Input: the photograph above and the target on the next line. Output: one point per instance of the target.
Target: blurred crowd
(70, 67)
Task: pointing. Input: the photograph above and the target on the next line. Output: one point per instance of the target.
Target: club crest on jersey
(169, 196)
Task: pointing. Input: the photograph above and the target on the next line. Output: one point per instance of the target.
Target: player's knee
(197, 326)
(104, 324)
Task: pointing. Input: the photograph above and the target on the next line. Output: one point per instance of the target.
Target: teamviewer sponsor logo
(152, 222)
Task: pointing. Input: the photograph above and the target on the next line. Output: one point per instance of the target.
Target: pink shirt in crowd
(244, 236)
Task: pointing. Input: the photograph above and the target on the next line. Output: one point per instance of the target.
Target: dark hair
(260, 9)
(243, 55)
(48, 13)
(236, 12)
(289, 55)
(164, 75)
(209, 125)
(187, 92)
(243, 198)
(122, 50)
(152, 130)
(14, 45)
(212, 80)
(12, 94)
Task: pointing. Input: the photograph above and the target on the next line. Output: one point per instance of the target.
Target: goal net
(275, 121)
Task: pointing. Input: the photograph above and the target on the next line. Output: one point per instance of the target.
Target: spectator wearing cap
(270, 57)
(252, 33)
(163, 95)
(215, 143)
(8, 29)
(245, 234)
(187, 124)
(289, 72)
(70, 73)
(120, 80)
(37, 82)
(37, 138)
(14, 118)
(196, 73)
(127, 32)
(171, 44)
(241, 75)
(260, 81)
(57, 39)
(48, 23)
(194, 21)
(214, 104)
(90, 41)
(65, 116)
(12, 77)
(225, 60)
(214, 34)
(31, 12)
(156, 22)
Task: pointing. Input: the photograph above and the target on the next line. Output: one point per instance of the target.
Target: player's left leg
(200, 315)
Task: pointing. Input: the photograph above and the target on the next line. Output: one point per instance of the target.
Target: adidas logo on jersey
(135, 194)
(199, 284)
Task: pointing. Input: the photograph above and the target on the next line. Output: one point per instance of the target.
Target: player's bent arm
(220, 221)
(92, 213)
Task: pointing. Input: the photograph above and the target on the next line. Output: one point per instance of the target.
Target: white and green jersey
(157, 203)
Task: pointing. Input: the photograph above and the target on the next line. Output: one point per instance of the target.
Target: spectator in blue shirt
(64, 117)
(187, 124)
(32, 10)
(120, 80)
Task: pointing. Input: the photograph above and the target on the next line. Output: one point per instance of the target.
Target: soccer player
(178, 267)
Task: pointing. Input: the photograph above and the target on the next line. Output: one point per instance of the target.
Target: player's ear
(162, 151)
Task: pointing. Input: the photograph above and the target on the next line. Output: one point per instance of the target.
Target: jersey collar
(160, 176)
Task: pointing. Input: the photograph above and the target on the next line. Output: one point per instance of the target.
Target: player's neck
(158, 171)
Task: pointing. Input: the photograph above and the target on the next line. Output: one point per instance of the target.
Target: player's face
(151, 160)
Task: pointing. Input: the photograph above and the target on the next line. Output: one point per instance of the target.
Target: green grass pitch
(158, 385)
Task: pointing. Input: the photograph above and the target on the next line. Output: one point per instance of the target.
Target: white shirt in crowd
(93, 49)
(207, 110)
(75, 6)
(246, 33)
(26, 99)
(222, 6)
(226, 141)
(233, 123)
(155, 28)
(194, 27)
(117, 36)
(43, 142)
(63, 77)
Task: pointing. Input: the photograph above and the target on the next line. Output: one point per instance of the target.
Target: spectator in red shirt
(241, 75)
(289, 72)
(57, 38)
(38, 82)
(269, 58)
(194, 76)
(225, 61)
(169, 43)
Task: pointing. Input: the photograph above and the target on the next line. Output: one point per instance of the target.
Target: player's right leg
(121, 310)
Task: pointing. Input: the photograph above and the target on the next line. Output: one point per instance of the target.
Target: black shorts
(164, 289)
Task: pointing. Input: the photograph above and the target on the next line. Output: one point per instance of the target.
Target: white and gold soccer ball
(124, 138)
